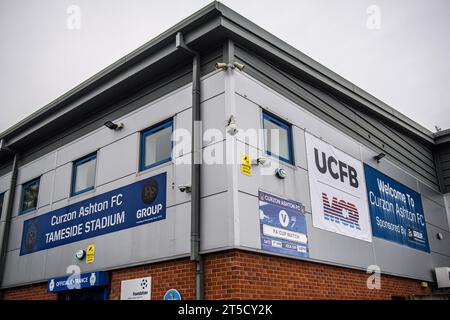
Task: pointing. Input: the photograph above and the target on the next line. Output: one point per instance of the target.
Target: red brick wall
(238, 274)
(32, 292)
(176, 274)
(244, 275)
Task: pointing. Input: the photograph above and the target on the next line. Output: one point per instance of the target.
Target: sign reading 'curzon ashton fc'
(126, 207)
(338, 195)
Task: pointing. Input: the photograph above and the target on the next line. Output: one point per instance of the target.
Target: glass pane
(85, 178)
(30, 196)
(277, 139)
(158, 146)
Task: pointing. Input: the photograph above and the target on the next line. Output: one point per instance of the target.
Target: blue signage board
(396, 211)
(172, 294)
(282, 225)
(126, 207)
(78, 281)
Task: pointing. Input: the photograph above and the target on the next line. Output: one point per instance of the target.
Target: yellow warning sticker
(90, 253)
(246, 166)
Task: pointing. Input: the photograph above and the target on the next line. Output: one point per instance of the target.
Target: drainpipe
(9, 207)
(195, 167)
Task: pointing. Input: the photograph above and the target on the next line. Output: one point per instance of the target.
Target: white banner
(338, 191)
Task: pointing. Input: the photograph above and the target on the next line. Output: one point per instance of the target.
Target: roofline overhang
(214, 17)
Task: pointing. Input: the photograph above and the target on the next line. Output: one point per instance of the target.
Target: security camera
(184, 188)
(231, 125)
(239, 66)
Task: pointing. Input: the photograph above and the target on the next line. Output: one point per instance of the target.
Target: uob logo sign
(338, 197)
(338, 210)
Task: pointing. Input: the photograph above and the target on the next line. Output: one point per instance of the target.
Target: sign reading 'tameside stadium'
(396, 211)
(126, 207)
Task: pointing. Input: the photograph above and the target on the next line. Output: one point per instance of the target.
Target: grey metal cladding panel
(439, 260)
(291, 88)
(336, 248)
(444, 162)
(431, 194)
(403, 261)
(117, 159)
(435, 214)
(436, 245)
(248, 218)
(217, 221)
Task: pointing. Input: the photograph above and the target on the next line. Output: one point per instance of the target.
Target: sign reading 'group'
(396, 211)
(126, 207)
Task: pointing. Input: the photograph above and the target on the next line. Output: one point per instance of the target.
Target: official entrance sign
(126, 207)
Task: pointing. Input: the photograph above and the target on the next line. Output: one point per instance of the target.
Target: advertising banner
(282, 225)
(337, 186)
(396, 211)
(126, 207)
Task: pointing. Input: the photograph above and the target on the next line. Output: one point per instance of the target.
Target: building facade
(309, 188)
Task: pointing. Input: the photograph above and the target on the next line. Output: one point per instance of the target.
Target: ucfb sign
(130, 206)
(337, 186)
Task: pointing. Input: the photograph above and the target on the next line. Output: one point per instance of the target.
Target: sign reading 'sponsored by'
(396, 211)
(338, 195)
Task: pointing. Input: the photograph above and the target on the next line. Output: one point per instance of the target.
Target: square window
(278, 138)
(156, 145)
(30, 192)
(83, 176)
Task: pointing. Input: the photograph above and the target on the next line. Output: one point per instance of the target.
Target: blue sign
(172, 294)
(396, 211)
(283, 225)
(126, 207)
(78, 281)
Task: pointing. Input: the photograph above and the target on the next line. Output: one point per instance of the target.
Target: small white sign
(136, 289)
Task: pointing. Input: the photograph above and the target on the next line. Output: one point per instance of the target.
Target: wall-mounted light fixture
(225, 66)
(238, 66)
(113, 126)
(379, 157)
(221, 65)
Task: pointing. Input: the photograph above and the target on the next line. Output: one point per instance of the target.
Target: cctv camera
(184, 188)
(259, 161)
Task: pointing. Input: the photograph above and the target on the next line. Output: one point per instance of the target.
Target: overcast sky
(397, 50)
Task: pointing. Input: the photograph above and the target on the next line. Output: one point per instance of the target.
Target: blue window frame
(30, 194)
(156, 145)
(83, 174)
(283, 147)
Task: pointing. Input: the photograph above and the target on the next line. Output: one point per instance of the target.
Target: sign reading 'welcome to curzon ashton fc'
(126, 207)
